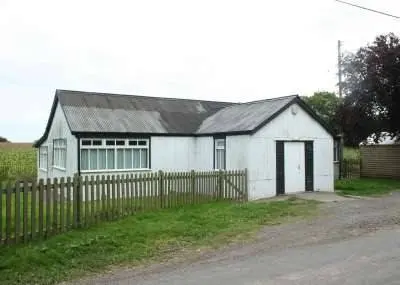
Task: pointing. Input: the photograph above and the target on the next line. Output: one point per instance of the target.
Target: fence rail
(32, 211)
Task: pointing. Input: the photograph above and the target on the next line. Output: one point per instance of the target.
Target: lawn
(141, 238)
(366, 186)
(17, 162)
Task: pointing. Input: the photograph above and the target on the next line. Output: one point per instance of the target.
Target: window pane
(64, 158)
(56, 157)
(93, 159)
(128, 158)
(143, 158)
(132, 142)
(97, 142)
(86, 142)
(120, 142)
(220, 143)
(220, 159)
(102, 159)
(110, 142)
(110, 158)
(120, 159)
(142, 142)
(136, 158)
(84, 159)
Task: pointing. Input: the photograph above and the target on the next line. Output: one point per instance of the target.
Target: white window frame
(115, 147)
(219, 147)
(60, 147)
(43, 157)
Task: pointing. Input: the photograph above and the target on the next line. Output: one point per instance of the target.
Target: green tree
(372, 88)
(3, 139)
(325, 104)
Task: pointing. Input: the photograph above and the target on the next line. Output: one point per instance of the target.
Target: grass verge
(141, 238)
(366, 186)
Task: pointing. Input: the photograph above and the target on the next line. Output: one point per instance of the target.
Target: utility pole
(339, 47)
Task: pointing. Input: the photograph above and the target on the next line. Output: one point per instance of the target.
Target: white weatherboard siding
(59, 130)
(262, 152)
(237, 152)
(204, 153)
(172, 153)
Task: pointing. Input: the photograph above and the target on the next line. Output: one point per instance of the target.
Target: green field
(142, 238)
(17, 162)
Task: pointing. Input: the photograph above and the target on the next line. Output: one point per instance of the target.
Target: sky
(224, 50)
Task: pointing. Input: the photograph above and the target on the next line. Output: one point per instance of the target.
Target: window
(336, 149)
(43, 158)
(114, 154)
(60, 153)
(219, 153)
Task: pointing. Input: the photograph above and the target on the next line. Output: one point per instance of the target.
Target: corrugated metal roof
(243, 117)
(88, 112)
(98, 112)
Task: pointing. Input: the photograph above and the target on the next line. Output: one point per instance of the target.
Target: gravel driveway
(339, 222)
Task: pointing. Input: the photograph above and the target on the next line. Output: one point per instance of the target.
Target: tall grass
(17, 162)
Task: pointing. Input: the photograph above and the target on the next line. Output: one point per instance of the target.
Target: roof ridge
(140, 96)
(271, 99)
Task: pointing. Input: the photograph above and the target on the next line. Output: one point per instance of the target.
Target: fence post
(161, 188)
(246, 184)
(193, 184)
(220, 184)
(77, 200)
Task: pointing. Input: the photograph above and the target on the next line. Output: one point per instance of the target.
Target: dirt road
(351, 242)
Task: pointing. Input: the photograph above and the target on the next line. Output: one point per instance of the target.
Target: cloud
(222, 50)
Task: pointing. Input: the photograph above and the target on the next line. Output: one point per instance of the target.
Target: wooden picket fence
(35, 211)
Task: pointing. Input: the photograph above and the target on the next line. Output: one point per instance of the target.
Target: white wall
(262, 153)
(237, 152)
(172, 153)
(204, 153)
(60, 130)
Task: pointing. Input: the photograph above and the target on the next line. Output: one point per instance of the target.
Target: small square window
(132, 142)
(97, 142)
(120, 142)
(142, 142)
(110, 142)
(86, 142)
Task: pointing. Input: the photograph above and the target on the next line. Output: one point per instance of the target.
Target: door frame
(280, 165)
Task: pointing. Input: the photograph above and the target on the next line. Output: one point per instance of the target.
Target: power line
(368, 9)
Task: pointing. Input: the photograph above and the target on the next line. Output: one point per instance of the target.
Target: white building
(284, 145)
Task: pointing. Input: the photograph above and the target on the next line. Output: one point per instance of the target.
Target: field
(17, 162)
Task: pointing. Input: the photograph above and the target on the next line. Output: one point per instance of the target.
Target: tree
(325, 104)
(3, 140)
(372, 88)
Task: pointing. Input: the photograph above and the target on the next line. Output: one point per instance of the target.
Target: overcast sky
(216, 50)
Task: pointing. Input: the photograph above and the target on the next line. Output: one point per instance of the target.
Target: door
(280, 168)
(294, 167)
